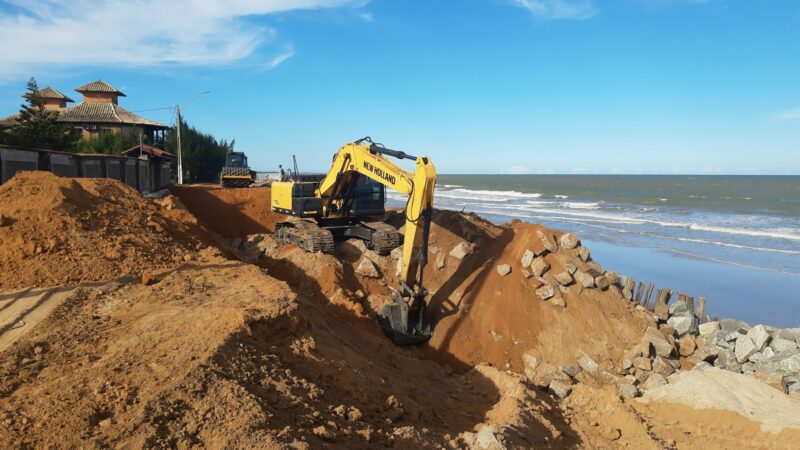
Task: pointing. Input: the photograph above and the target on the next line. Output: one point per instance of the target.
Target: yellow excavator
(347, 202)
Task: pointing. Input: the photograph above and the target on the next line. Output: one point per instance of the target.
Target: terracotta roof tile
(99, 86)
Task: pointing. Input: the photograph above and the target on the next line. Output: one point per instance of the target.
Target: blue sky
(482, 86)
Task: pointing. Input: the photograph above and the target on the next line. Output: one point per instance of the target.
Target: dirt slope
(63, 231)
(285, 353)
(230, 212)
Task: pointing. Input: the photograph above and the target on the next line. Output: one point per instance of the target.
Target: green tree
(110, 143)
(203, 155)
(37, 127)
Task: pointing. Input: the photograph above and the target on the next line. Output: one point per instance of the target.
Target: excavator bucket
(403, 325)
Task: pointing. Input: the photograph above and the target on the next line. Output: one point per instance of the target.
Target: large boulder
(655, 380)
(683, 324)
(527, 258)
(367, 268)
(564, 278)
(662, 346)
(708, 328)
(569, 241)
(461, 250)
(783, 345)
(744, 349)
(759, 335)
(545, 291)
(539, 266)
(548, 242)
(584, 279)
(680, 309)
(503, 269)
(588, 365)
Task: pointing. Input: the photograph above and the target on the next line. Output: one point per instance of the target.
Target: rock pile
(771, 354)
(579, 270)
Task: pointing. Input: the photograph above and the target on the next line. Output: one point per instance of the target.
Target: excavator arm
(403, 320)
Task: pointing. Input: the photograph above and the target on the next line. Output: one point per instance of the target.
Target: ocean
(734, 240)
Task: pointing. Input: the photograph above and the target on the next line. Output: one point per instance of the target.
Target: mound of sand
(60, 231)
(712, 387)
(286, 352)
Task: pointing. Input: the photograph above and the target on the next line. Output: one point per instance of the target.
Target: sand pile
(230, 212)
(64, 231)
(286, 353)
(222, 355)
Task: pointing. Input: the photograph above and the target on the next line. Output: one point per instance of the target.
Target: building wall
(52, 103)
(100, 97)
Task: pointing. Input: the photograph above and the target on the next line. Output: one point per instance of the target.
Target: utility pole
(180, 162)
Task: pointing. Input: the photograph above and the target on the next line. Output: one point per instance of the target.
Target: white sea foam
(561, 196)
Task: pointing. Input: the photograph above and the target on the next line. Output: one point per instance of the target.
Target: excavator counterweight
(347, 202)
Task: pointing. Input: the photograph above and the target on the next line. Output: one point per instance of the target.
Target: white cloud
(75, 33)
(787, 114)
(515, 170)
(558, 9)
(279, 59)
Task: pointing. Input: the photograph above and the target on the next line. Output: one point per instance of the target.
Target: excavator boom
(403, 320)
(332, 203)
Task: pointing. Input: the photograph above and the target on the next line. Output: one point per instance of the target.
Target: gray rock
(526, 273)
(564, 279)
(397, 252)
(560, 389)
(683, 324)
(760, 337)
(588, 365)
(701, 365)
(570, 268)
(584, 279)
(548, 242)
(367, 268)
(558, 300)
(780, 345)
(662, 346)
(731, 325)
(680, 309)
(786, 362)
(654, 380)
(545, 291)
(571, 370)
(708, 328)
(527, 258)
(726, 359)
(539, 266)
(569, 241)
(503, 269)
(748, 368)
(792, 334)
(744, 348)
(627, 390)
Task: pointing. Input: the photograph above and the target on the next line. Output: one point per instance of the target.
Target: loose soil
(281, 349)
(60, 231)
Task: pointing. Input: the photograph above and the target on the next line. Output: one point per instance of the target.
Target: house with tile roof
(98, 113)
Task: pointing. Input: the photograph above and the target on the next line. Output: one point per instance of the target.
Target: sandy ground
(285, 352)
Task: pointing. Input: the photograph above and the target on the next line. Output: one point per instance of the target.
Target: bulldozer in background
(236, 172)
(348, 202)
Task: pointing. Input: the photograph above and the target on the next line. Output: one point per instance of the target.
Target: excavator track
(385, 238)
(306, 235)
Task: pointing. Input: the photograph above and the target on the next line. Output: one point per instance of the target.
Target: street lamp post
(178, 122)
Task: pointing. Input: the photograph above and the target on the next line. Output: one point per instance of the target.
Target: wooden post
(690, 302)
(630, 285)
(701, 308)
(650, 287)
(639, 293)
